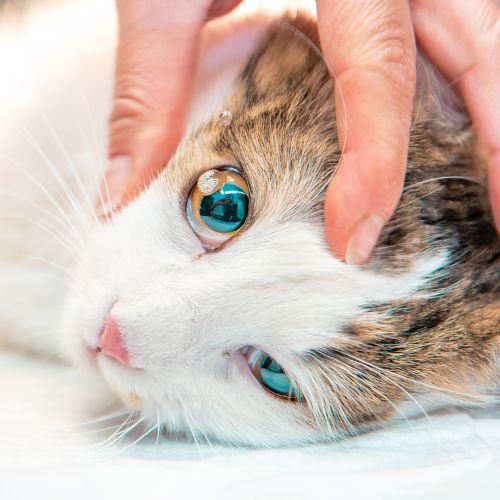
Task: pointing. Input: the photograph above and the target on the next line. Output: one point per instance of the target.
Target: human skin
(369, 47)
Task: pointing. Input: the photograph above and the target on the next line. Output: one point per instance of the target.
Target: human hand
(157, 51)
(370, 48)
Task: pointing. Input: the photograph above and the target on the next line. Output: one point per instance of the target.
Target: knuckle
(135, 119)
(399, 61)
(131, 103)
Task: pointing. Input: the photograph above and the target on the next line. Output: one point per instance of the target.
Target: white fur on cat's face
(185, 313)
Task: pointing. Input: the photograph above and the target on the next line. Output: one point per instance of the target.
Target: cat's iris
(218, 205)
(271, 375)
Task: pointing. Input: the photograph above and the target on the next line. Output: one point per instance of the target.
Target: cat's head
(213, 301)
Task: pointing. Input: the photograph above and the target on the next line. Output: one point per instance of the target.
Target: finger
(228, 41)
(370, 48)
(155, 62)
(154, 72)
(463, 40)
(494, 187)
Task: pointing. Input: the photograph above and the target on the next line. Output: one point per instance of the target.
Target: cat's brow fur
(443, 342)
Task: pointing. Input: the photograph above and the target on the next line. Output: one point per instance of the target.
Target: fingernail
(114, 184)
(363, 239)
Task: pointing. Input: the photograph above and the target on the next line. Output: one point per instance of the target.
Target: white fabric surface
(45, 454)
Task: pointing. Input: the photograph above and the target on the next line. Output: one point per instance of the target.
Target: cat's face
(193, 321)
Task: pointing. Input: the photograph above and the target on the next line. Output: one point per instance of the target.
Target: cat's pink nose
(111, 343)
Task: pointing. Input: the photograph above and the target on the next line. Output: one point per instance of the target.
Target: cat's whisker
(123, 425)
(118, 436)
(376, 371)
(71, 165)
(98, 430)
(372, 388)
(327, 405)
(444, 177)
(38, 208)
(151, 429)
(70, 196)
(103, 418)
(49, 196)
(66, 282)
(63, 281)
(463, 397)
(158, 427)
(417, 184)
(315, 389)
(195, 425)
(108, 215)
(49, 230)
(94, 157)
(413, 202)
(190, 427)
(416, 115)
(55, 265)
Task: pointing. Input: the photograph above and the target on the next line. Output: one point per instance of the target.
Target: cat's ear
(305, 23)
(225, 43)
(285, 59)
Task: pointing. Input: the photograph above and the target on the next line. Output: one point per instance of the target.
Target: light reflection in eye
(218, 205)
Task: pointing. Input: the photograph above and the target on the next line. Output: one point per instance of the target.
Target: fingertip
(363, 239)
(113, 185)
(137, 184)
(351, 236)
(494, 188)
(336, 224)
(155, 67)
(360, 199)
(375, 76)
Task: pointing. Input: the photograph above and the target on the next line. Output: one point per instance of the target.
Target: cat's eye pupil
(224, 211)
(271, 365)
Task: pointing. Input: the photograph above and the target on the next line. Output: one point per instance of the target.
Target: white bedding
(46, 454)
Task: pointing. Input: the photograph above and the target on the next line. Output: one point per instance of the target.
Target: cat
(212, 302)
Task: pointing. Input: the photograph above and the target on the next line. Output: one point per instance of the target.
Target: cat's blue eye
(218, 205)
(271, 374)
